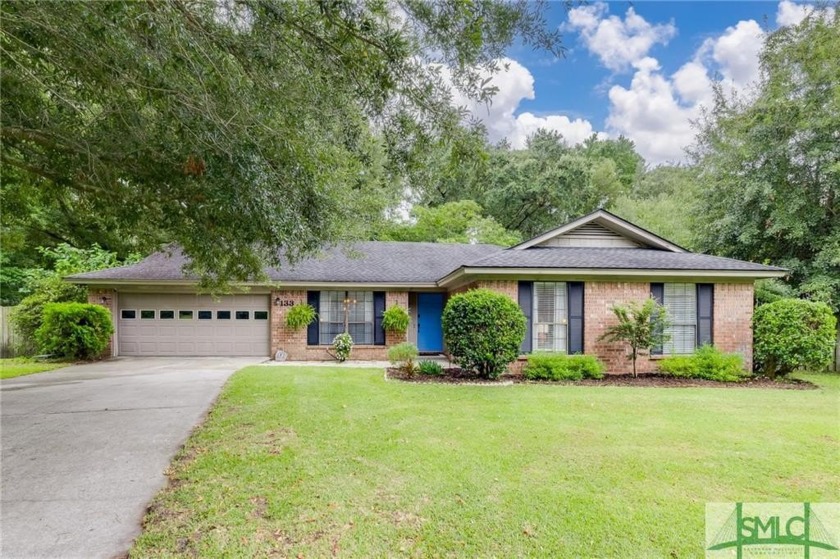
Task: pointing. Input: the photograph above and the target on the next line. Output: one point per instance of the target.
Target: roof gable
(600, 229)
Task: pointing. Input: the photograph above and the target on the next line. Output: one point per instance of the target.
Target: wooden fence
(8, 338)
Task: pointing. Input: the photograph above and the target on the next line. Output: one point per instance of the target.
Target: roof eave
(464, 271)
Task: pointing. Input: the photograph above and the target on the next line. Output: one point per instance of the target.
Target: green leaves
(792, 333)
(74, 330)
(237, 128)
(483, 330)
(770, 164)
(641, 325)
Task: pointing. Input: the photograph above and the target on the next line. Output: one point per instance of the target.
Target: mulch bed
(456, 375)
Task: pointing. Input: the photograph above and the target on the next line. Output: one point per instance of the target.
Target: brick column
(106, 298)
(732, 324)
(291, 341)
(396, 298)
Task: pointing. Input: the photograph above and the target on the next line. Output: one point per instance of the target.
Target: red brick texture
(294, 342)
(598, 300)
(732, 323)
(106, 298)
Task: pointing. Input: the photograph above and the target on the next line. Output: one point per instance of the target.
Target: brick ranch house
(565, 281)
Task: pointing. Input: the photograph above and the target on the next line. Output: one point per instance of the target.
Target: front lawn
(19, 366)
(316, 462)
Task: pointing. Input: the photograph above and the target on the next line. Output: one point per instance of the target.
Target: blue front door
(429, 330)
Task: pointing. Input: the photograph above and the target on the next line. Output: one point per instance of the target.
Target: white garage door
(194, 325)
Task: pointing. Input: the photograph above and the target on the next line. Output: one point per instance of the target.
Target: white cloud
(618, 43)
(790, 13)
(656, 109)
(515, 83)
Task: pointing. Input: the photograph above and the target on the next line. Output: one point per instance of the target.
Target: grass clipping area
(20, 366)
(318, 462)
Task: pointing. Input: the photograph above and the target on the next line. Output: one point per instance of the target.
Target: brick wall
(732, 328)
(294, 342)
(599, 297)
(95, 297)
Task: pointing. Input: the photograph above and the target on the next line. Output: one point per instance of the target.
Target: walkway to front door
(429, 329)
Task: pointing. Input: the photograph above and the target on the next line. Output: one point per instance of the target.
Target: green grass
(316, 462)
(19, 366)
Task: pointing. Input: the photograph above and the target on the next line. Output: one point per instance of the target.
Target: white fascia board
(480, 273)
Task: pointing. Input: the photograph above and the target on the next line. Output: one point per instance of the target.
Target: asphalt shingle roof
(614, 258)
(363, 262)
(426, 263)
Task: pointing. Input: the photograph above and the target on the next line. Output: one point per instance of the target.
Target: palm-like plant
(641, 325)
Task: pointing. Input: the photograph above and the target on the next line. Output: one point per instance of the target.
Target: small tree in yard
(483, 330)
(793, 333)
(641, 325)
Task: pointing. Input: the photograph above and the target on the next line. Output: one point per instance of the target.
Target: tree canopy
(233, 128)
(770, 164)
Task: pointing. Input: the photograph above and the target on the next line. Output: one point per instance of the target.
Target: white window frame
(550, 335)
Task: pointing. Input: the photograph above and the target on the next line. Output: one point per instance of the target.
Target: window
(222, 315)
(128, 314)
(185, 315)
(147, 315)
(167, 315)
(205, 315)
(680, 300)
(243, 315)
(260, 315)
(550, 316)
(350, 311)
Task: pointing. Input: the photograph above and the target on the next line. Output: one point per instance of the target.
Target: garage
(192, 325)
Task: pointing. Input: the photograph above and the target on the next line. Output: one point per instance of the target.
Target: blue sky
(641, 69)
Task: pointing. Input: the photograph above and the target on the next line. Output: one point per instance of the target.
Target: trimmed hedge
(792, 334)
(559, 366)
(74, 330)
(708, 363)
(483, 331)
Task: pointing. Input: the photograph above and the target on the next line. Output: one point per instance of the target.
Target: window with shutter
(550, 316)
(350, 311)
(680, 300)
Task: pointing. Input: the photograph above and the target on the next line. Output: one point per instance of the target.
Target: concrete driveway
(84, 449)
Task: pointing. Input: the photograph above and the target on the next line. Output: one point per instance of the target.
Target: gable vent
(590, 235)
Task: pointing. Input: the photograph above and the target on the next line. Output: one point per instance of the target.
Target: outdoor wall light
(105, 300)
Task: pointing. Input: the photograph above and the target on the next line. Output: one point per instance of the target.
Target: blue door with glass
(429, 330)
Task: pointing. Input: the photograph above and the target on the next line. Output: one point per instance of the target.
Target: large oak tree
(233, 127)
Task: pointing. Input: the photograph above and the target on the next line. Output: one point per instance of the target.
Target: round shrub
(483, 331)
(793, 333)
(395, 319)
(300, 316)
(74, 330)
(27, 316)
(342, 345)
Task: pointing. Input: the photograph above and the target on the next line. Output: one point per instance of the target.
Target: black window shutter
(526, 289)
(378, 309)
(705, 312)
(657, 291)
(314, 300)
(575, 338)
